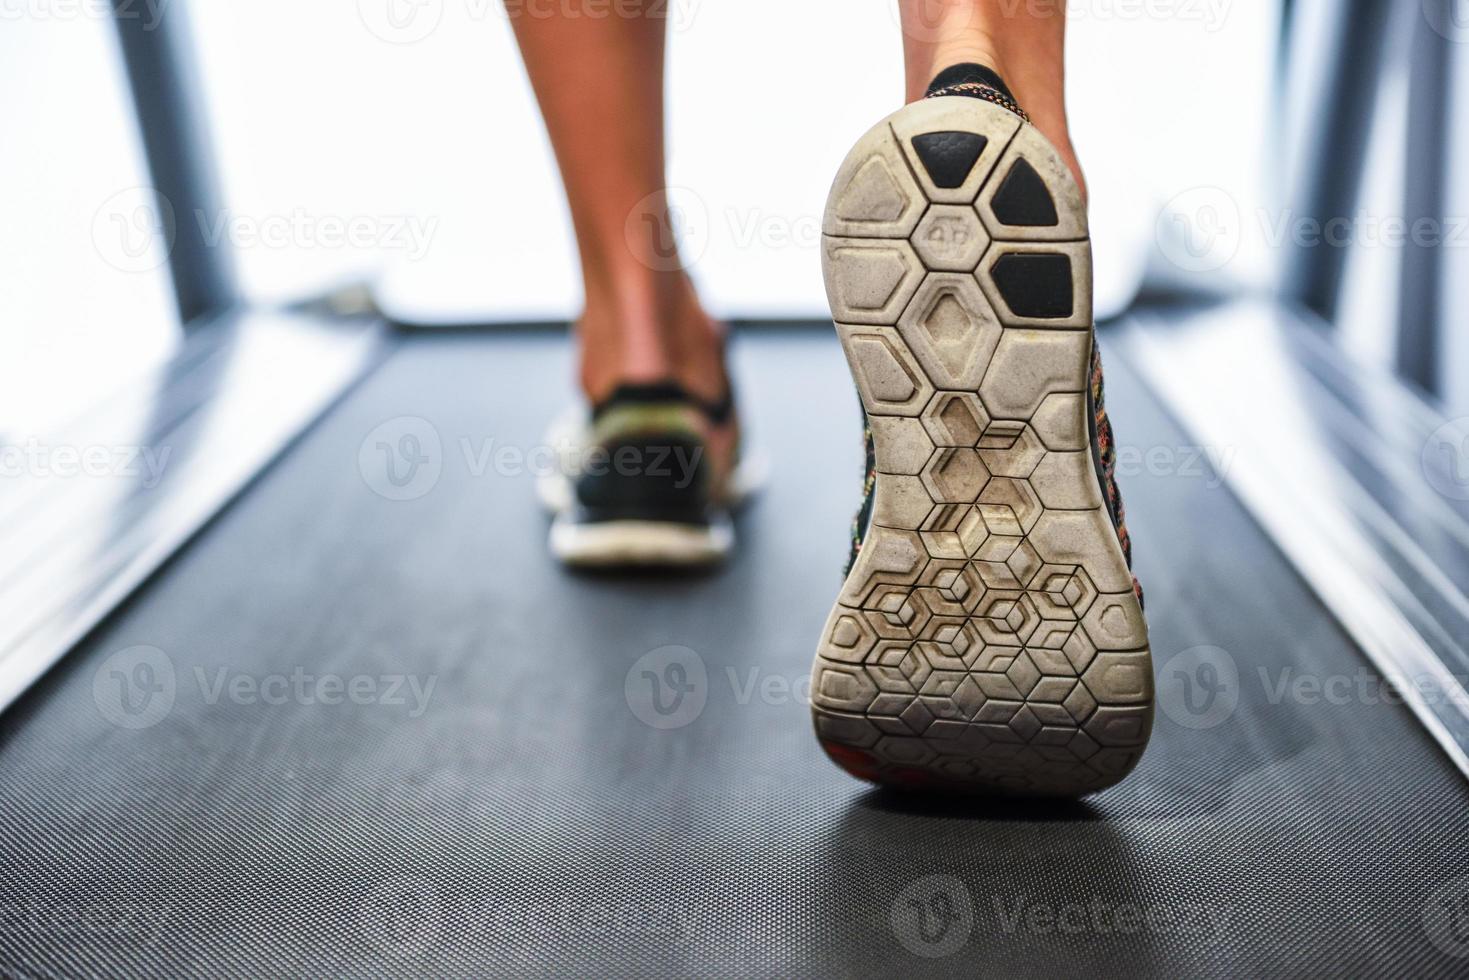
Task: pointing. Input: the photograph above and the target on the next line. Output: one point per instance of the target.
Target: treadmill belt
(190, 794)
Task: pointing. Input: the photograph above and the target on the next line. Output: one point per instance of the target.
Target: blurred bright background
(397, 141)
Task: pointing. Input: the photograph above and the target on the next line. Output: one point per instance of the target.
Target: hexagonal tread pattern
(987, 639)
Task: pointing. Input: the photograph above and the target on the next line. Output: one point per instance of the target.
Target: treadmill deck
(489, 803)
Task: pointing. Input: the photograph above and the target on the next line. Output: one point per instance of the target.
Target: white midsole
(614, 543)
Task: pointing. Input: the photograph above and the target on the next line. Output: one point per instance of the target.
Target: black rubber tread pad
(948, 157)
(1023, 200)
(1035, 284)
(529, 824)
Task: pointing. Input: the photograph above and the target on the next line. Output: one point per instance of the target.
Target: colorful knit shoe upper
(977, 81)
(653, 441)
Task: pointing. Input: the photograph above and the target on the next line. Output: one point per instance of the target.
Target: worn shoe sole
(988, 638)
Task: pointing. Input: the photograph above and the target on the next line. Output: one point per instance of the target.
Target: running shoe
(989, 636)
(640, 481)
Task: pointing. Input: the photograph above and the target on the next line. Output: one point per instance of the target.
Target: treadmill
(319, 704)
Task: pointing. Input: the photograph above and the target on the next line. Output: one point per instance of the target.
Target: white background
(323, 118)
(327, 106)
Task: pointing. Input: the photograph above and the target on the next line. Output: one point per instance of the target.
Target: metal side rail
(89, 512)
(1360, 482)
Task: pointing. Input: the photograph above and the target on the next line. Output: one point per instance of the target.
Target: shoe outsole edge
(988, 638)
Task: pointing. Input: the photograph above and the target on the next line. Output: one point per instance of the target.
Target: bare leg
(1023, 40)
(599, 81)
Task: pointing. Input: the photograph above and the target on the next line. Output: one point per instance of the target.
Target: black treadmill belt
(527, 823)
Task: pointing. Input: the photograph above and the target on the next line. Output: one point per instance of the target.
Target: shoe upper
(977, 81)
(647, 457)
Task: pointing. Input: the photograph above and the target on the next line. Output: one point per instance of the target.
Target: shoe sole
(640, 544)
(988, 638)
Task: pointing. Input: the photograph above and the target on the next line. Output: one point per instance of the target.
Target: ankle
(975, 49)
(643, 329)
